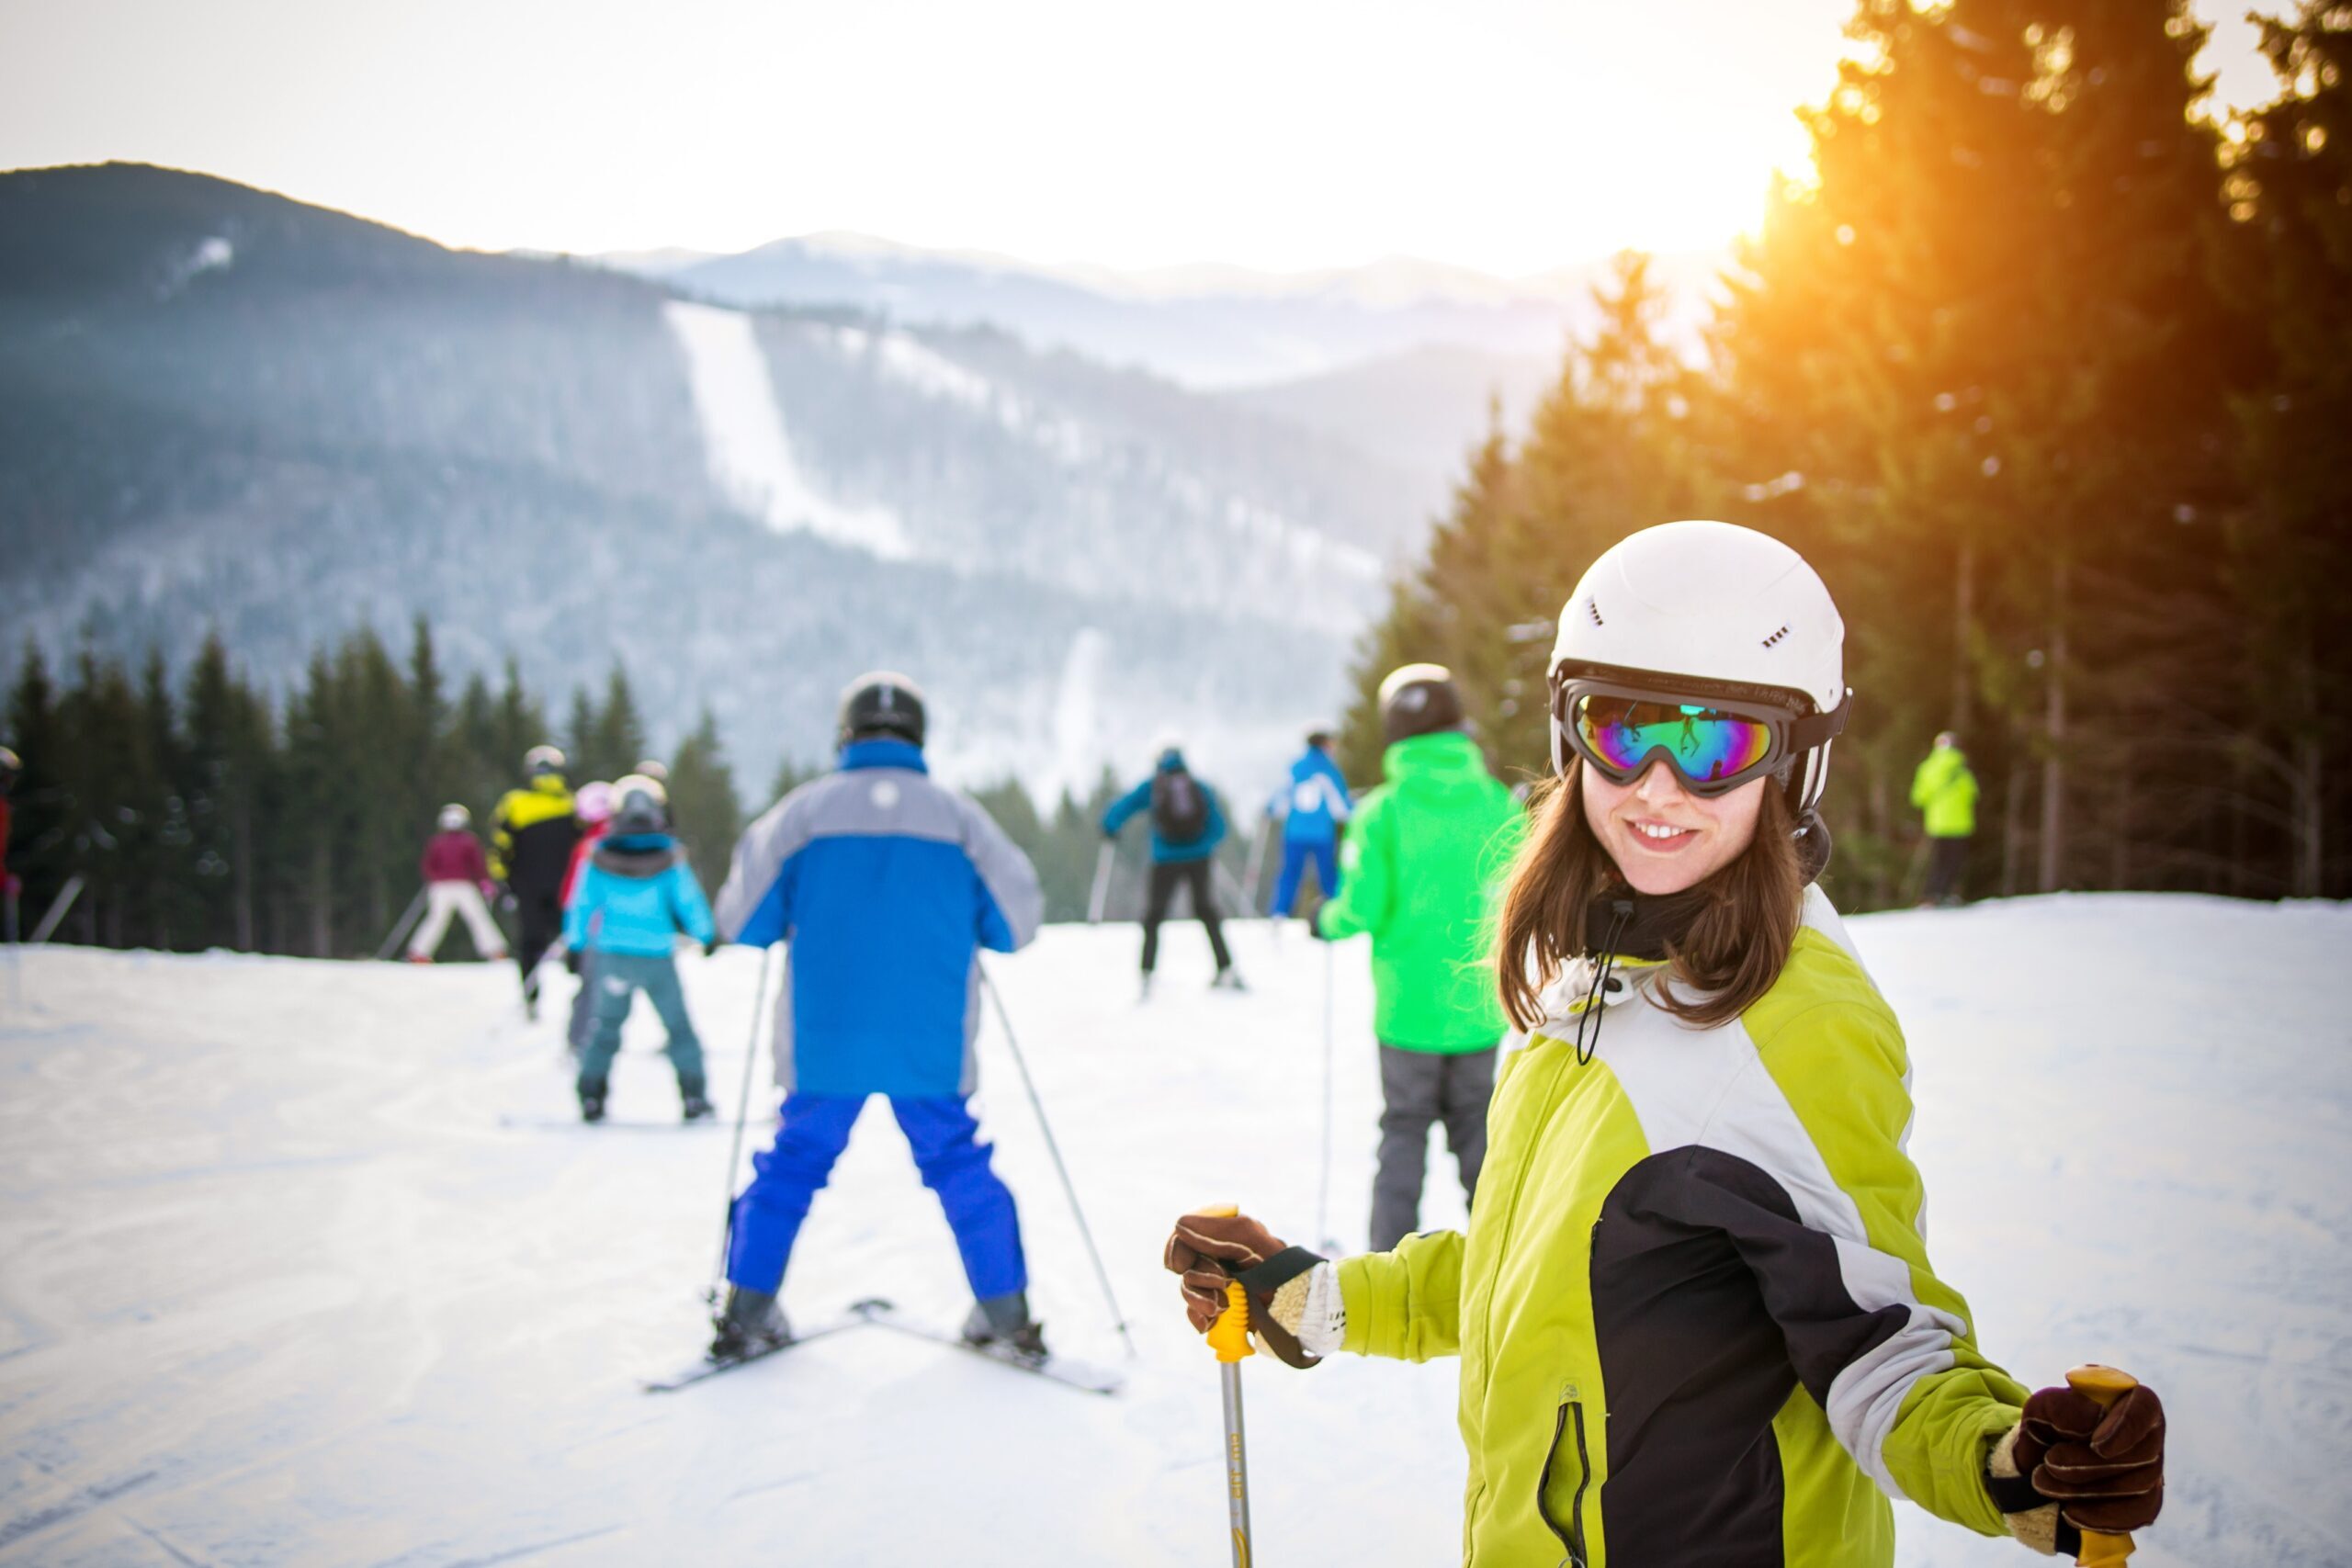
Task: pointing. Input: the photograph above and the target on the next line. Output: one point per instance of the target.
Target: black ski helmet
(882, 703)
(1419, 699)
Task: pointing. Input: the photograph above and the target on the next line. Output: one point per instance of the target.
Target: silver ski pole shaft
(1101, 897)
(1229, 1338)
(1323, 1182)
(400, 927)
(1254, 871)
(1004, 1020)
(742, 1115)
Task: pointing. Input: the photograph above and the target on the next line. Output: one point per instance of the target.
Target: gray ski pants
(618, 977)
(1419, 1088)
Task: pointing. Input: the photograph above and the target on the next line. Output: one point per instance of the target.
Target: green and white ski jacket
(1695, 1310)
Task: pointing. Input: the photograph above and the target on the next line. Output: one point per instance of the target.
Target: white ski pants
(446, 899)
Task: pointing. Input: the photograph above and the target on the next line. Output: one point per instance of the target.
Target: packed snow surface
(281, 1289)
(744, 441)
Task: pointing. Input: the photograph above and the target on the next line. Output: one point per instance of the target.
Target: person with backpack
(1426, 856)
(456, 880)
(884, 886)
(531, 836)
(634, 896)
(1695, 1314)
(1312, 810)
(1187, 825)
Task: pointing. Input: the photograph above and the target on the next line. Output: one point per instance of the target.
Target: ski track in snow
(744, 438)
(280, 1290)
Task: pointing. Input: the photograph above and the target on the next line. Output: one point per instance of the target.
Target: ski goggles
(1713, 743)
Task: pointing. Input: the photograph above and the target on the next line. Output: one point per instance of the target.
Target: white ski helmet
(543, 759)
(454, 817)
(1716, 603)
(641, 805)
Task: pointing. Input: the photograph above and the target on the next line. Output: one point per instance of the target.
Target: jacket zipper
(1573, 1536)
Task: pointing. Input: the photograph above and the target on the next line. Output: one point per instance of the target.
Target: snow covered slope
(279, 1289)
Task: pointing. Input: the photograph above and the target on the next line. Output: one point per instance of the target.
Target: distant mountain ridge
(221, 408)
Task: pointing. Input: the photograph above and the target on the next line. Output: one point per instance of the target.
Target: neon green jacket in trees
(1694, 1310)
(1425, 855)
(1946, 791)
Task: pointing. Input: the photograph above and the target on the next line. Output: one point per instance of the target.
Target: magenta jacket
(455, 857)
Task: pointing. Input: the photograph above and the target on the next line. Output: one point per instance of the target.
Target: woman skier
(1693, 1306)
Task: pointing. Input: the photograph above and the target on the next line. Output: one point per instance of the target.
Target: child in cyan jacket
(633, 897)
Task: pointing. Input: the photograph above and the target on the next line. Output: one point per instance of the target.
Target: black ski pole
(1004, 1020)
(742, 1115)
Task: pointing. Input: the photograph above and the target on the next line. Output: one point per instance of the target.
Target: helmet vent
(1592, 609)
(1774, 639)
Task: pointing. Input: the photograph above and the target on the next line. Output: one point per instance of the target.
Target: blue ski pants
(1296, 855)
(949, 1153)
(615, 978)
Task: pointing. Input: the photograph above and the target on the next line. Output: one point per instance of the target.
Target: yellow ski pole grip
(1229, 1335)
(2102, 1386)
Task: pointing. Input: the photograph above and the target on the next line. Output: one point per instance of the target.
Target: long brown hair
(1730, 952)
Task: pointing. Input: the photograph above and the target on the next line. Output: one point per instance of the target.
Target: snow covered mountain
(219, 408)
(1205, 327)
(282, 1289)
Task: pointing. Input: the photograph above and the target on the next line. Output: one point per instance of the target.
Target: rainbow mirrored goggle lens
(1714, 748)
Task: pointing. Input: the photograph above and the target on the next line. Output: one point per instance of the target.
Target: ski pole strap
(1275, 1272)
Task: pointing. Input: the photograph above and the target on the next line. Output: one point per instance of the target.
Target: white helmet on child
(454, 817)
(641, 805)
(1700, 609)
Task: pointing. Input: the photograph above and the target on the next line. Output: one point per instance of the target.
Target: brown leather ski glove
(1206, 1251)
(2068, 1466)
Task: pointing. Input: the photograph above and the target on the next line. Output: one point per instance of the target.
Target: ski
(572, 1124)
(1067, 1370)
(704, 1368)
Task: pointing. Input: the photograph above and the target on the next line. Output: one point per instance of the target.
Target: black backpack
(1180, 808)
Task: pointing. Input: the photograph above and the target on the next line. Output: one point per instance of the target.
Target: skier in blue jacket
(1187, 825)
(1311, 810)
(885, 886)
(633, 897)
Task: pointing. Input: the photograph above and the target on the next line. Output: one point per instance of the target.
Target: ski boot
(420, 958)
(750, 1324)
(531, 999)
(1227, 979)
(1005, 1320)
(592, 1103)
(692, 1103)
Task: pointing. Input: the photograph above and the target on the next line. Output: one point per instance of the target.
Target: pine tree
(703, 802)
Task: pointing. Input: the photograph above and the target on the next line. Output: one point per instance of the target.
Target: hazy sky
(1282, 133)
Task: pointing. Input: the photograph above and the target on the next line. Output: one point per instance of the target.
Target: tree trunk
(322, 899)
(2053, 760)
(2119, 865)
(1963, 618)
(2013, 827)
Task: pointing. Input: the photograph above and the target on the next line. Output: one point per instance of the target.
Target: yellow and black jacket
(531, 835)
(1693, 1307)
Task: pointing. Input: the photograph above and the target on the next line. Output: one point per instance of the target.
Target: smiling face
(1663, 838)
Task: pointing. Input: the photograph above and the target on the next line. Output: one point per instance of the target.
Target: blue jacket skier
(634, 895)
(885, 886)
(1311, 810)
(1187, 825)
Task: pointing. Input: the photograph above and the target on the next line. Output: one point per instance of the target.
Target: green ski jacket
(1424, 859)
(1946, 791)
(1695, 1310)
